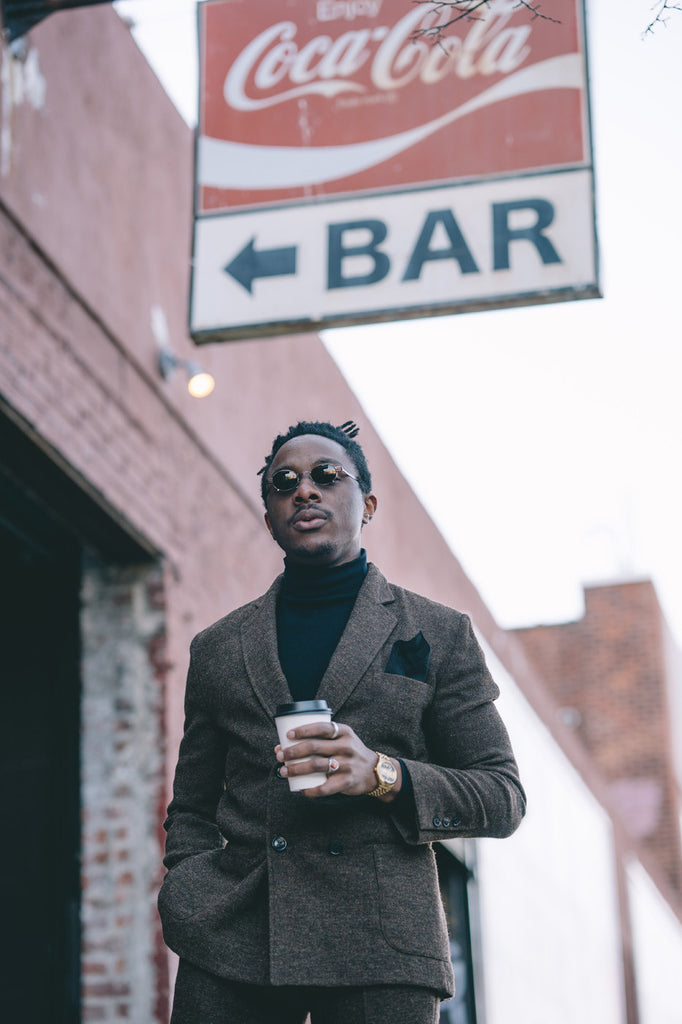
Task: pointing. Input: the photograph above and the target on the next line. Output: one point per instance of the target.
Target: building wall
(616, 676)
(549, 905)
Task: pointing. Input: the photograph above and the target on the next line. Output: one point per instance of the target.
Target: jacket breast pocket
(399, 705)
(410, 658)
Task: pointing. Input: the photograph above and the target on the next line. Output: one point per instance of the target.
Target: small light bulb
(200, 384)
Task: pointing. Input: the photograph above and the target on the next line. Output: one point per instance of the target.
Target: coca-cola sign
(351, 168)
(302, 99)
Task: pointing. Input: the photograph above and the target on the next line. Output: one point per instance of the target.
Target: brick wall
(610, 675)
(122, 793)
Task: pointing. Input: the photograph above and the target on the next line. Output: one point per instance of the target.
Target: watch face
(386, 771)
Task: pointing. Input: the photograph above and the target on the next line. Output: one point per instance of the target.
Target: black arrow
(249, 264)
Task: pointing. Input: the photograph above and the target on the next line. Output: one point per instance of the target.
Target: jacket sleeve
(199, 778)
(470, 785)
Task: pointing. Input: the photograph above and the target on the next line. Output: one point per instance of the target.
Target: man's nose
(307, 489)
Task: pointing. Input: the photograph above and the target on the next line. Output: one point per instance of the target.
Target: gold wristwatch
(386, 773)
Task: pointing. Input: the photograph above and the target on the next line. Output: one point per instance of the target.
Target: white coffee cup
(291, 716)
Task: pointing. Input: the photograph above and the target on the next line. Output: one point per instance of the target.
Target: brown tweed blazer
(267, 886)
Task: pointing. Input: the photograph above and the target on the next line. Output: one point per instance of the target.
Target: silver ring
(336, 731)
(333, 766)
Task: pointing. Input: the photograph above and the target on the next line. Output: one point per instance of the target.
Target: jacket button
(446, 823)
(437, 822)
(456, 822)
(335, 847)
(279, 843)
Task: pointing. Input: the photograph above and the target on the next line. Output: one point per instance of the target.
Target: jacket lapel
(370, 624)
(259, 644)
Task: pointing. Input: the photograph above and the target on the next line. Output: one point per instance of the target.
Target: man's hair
(343, 435)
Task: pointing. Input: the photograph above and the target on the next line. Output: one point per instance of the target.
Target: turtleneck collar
(323, 582)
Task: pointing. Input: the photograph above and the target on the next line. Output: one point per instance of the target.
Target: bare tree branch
(660, 15)
(474, 10)
(467, 10)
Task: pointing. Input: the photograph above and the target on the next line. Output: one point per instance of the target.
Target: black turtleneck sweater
(313, 607)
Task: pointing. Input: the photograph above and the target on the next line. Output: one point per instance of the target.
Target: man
(326, 901)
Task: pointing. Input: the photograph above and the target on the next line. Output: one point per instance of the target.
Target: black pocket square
(410, 658)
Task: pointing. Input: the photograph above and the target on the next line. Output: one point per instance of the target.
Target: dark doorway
(39, 763)
(50, 517)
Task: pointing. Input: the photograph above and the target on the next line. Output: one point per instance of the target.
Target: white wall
(550, 929)
(657, 947)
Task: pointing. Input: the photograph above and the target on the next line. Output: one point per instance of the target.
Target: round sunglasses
(285, 481)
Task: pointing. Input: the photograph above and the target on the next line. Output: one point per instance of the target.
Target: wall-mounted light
(199, 383)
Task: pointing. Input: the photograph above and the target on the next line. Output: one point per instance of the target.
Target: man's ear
(266, 517)
(370, 508)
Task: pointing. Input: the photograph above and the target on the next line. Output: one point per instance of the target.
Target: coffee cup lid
(301, 707)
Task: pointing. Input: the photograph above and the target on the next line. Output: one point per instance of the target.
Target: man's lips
(307, 518)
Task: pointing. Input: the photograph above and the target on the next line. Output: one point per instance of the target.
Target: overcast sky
(545, 441)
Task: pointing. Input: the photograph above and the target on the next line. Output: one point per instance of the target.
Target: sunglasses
(285, 481)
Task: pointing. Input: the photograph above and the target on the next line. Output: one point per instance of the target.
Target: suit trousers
(203, 998)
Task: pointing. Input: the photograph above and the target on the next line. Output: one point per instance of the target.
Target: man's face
(317, 525)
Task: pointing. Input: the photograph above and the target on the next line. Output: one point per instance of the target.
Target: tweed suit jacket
(270, 887)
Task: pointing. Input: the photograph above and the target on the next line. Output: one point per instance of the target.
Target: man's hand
(325, 744)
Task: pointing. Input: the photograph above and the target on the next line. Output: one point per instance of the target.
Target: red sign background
(315, 76)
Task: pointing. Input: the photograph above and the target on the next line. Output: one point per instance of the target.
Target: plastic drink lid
(301, 707)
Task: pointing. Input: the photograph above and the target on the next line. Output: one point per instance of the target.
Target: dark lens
(285, 480)
(324, 474)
